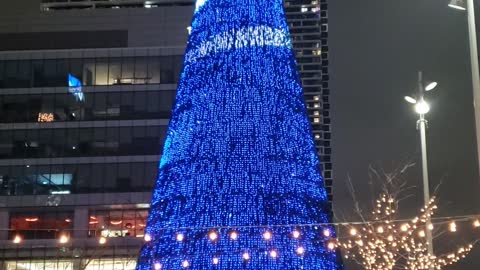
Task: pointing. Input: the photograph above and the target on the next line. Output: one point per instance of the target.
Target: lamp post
(472, 34)
(422, 108)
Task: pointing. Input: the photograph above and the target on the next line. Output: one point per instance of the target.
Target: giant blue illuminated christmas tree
(239, 184)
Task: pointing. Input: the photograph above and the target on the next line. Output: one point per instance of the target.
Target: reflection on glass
(90, 71)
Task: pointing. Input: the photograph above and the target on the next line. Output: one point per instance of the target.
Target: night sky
(376, 48)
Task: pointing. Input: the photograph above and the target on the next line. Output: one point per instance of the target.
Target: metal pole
(472, 34)
(422, 125)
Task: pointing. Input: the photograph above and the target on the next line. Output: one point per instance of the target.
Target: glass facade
(40, 225)
(61, 107)
(90, 127)
(90, 71)
(77, 178)
(82, 142)
(117, 223)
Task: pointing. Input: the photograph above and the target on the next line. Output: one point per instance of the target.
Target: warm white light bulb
(234, 235)
(380, 229)
(17, 239)
(326, 233)
(63, 239)
(213, 236)
(273, 254)
(452, 226)
(185, 264)
(476, 223)
(353, 231)
(102, 240)
(180, 237)
(157, 266)
(404, 228)
(296, 234)
(331, 245)
(215, 260)
(300, 250)
(246, 256)
(267, 235)
(147, 238)
(421, 233)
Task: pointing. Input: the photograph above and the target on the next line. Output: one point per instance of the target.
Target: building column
(4, 224)
(80, 223)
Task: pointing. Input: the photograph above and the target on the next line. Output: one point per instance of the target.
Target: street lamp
(422, 108)
(472, 35)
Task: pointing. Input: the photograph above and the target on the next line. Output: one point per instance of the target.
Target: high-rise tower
(239, 185)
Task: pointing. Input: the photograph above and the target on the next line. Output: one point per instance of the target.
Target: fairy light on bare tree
(385, 243)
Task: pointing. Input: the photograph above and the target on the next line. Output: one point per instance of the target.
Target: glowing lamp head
(300, 251)
(246, 256)
(353, 231)
(213, 236)
(102, 240)
(215, 260)
(273, 254)
(422, 107)
(296, 234)
(326, 233)
(157, 266)
(234, 235)
(430, 86)
(147, 238)
(331, 245)
(185, 264)
(457, 4)
(410, 99)
(17, 239)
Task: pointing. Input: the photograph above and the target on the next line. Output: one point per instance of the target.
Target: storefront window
(41, 264)
(35, 225)
(117, 223)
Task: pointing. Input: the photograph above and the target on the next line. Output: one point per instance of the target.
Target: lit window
(40, 225)
(41, 264)
(118, 223)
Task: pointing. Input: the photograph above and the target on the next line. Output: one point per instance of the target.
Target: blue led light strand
(239, 153)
